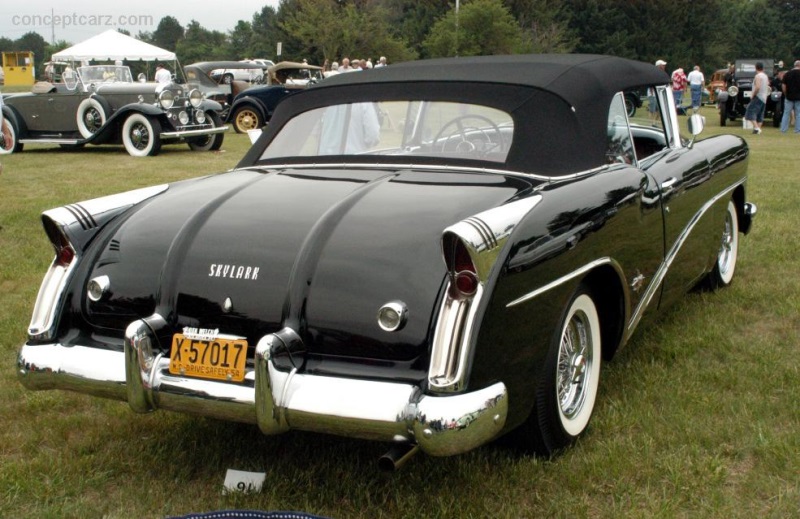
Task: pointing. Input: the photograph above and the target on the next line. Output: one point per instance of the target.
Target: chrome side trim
(670, 256)
(560, 281)
(48, 140)
(194, 133)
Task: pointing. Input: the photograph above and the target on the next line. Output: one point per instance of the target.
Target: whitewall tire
(141, 135)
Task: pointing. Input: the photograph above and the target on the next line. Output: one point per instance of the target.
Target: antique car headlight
(166, 99)
(733, 90)
(183, 117)
(195, 98)
(200, 116)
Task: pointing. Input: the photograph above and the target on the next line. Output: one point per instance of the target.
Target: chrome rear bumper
(275, 400)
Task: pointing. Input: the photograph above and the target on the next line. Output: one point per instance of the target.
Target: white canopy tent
(112, 46)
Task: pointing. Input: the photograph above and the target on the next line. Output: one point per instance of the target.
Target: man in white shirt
(696, 81)
(758, 103)
(162, 75)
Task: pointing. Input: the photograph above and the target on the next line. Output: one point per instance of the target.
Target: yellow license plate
(212, 358)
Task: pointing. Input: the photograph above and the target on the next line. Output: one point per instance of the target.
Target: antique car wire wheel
(9, 140)
(578, 365)
(91, 117)
(728, 250)
(141, 135)
(211, 142)
(246, 118)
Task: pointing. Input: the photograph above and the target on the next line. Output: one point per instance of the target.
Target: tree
(168, 33)
(33, 41)
(200, 44)
(483, 27)
(265, 34)
(239, 40)
(545, 25)
(329, 30)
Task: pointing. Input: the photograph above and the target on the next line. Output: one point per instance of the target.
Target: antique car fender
(249, 103)
(110, 130)
(253, 102)
(209, 105)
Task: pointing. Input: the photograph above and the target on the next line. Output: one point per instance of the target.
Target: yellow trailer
(18, 68)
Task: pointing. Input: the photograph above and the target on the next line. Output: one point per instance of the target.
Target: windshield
(105, 74)
(420, 128)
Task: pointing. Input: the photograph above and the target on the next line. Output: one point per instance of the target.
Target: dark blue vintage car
(416, 254)
(252, 108)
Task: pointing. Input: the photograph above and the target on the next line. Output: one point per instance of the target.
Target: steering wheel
(467, 137)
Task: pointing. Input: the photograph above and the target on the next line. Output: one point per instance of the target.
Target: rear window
(419, 128)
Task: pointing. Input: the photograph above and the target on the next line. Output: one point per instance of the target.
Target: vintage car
(416, 255)
(245, 70)
(733, 102)
(102, 104)
(253, 108)
(223, 93)
(716, 84)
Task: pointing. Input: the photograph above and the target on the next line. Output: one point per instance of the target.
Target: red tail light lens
(464, 277)
(65, 255)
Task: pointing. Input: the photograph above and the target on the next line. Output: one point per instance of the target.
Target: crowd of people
(788, 83)
(348, 65)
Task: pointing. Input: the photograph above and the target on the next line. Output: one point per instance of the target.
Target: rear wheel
(568, 387)
(211, 142)
(725, 266)
(141, 135)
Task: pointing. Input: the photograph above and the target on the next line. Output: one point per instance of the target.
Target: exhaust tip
(397, 456)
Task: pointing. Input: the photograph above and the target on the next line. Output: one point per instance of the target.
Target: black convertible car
(413, 254)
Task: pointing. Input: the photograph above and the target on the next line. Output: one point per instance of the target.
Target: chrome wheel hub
(574, 363)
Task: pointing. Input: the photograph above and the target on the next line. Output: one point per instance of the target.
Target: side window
(620, 144)
(648, 128)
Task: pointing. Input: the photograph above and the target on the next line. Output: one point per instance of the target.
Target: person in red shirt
(678, 85)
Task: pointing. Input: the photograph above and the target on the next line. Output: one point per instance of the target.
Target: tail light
(51, 292)
(463, 273)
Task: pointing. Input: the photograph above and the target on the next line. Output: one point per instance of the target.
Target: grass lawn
(697, 417)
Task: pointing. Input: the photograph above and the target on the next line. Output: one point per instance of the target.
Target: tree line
(682, 32)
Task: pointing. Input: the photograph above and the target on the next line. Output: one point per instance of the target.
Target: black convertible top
(559, 102)
(578, 78)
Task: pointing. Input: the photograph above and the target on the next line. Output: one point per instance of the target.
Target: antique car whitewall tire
(141, 135)
(209, 142)
(725, 266)
(567, 390)
(91, 117)
(246, 118)
(9, 140)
